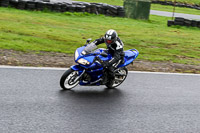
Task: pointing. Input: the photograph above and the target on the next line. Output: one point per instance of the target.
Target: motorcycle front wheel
(120, 76)
(69, 79)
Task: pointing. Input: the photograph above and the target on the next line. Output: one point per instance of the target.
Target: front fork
(80, 70)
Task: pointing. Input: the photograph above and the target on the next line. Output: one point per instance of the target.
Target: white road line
(57, 68)
(34, 68)
(169, 14)
(165, 73)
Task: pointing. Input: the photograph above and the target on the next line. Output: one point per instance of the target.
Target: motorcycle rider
(115, 48)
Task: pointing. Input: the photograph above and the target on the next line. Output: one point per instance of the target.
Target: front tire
(120, 76)
(68, 79)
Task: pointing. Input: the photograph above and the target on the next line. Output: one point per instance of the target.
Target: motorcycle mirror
(88, 40)
(104, 54)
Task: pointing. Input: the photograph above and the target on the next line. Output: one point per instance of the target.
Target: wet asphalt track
(170, 14)
(31, 101)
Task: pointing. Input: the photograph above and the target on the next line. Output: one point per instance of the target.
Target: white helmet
(110, 37)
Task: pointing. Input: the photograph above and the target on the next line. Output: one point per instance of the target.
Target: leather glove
(98, 59)
(105, 64)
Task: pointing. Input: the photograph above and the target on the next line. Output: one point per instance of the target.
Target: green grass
(58, 32)
(156, 6)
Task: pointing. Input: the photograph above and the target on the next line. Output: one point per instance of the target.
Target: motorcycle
(89, 70)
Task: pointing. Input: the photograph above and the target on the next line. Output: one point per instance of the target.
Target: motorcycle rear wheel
(118, 79)
(68, 79)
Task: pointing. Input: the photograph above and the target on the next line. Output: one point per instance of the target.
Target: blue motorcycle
(89, 71)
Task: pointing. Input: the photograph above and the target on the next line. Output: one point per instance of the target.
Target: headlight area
(83, 61)
(76, 55)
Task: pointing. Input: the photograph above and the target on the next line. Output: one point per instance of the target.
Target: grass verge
(64, 32)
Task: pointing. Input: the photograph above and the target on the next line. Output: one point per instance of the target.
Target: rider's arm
(99, 41)
(118, 54)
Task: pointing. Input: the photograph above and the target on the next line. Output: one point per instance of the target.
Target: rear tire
(67, 81)
(118, 79)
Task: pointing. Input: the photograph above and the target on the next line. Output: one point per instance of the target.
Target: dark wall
(97, 8)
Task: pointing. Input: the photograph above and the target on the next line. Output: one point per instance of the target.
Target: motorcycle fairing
(76, 67)
(130, 56)
(94, 69)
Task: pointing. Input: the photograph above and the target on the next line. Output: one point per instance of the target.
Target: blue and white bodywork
(88, 71)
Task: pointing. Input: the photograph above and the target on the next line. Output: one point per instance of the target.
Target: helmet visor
(109, 41)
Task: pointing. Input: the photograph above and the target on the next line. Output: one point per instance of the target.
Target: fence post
(137, 9)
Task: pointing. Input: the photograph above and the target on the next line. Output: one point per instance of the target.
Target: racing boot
(110, 81)
(104, 77)
(111, 76)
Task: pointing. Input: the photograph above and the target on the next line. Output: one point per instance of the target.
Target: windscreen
(90, 47)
